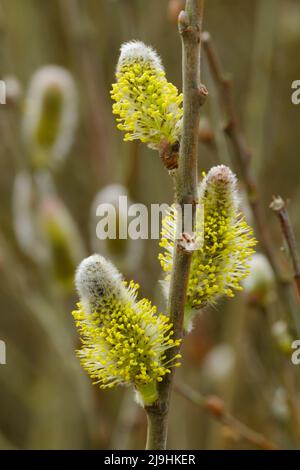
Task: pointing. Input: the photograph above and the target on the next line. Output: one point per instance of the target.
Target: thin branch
(259, 96)
(243, 158)
(279, 207)
(242, 153)
(189, 23)
(82, 44)
(216, 408)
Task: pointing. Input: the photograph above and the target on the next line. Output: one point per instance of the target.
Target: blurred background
(52, 179)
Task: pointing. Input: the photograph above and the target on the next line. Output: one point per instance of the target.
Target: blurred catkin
(260, 284)
(109, 208)
(50, 115)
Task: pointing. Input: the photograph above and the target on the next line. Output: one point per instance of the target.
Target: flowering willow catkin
(148, 106)
(109, 204)
(25, 201)
(260, 284)
(282, 336)
(50, 115)
(221, 261)
(218, 364)
(44, 227)
(124, 340)
(62, 238)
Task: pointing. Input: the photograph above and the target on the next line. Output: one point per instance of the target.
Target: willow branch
(189, 23)
(279, 207)
(216, 409)
(82, 44)
(259, 95)
(242, 153)
(243, 158)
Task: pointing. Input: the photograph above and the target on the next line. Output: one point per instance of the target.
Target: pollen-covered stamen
(222, 260)
(124, 340)
(149, 107)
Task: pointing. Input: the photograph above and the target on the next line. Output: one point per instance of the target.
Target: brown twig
(81, 40)
(189, 23)
(279, 207)
(243, 160)
(216, 408)
(259, 97)
(241, 152)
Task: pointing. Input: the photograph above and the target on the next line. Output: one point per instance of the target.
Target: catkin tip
(137, 50)
(96, 277)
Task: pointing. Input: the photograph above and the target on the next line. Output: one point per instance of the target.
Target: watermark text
(296, 93)
(2, 92)
(2, 352)
(137, 221)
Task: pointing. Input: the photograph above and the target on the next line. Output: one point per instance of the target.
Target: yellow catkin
(124, 340)
(226, 244)
(149, 108)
